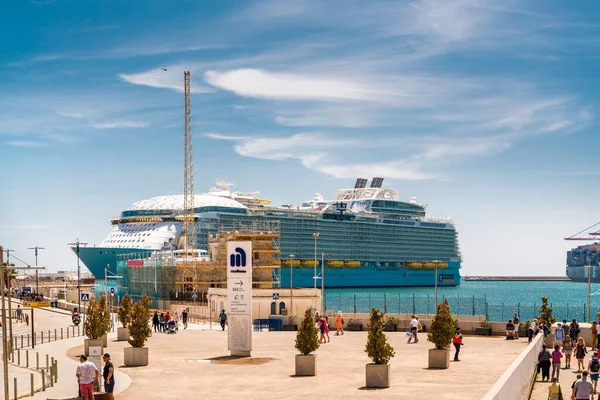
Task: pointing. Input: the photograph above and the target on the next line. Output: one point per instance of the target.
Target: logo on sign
(135, 263)
(112, 290)
(85, 297)
(238, 259)
(275, 296)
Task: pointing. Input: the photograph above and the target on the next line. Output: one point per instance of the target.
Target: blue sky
(484, 110)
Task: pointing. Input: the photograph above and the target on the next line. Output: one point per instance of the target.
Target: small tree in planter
(441, 333)
(307, 342)
(546, 312)
(125, 317)
(139, 330)
(97, 323)
(379, 351)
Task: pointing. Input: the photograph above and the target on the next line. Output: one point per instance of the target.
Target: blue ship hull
(97, 258)
(371, 276)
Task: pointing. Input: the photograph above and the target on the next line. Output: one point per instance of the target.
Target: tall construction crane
(189, 225)
(589, 233)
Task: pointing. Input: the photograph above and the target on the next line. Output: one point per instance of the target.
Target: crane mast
(189, 226)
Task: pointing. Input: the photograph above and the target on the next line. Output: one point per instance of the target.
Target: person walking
(530, 331)
(223, 319)
(516, 321)
(593, 370)
(580, 352)
(544, 362)
(327, 328)
(176, 319)
(167, 319)
(87, 375)
(321, 328)
(184, 318)
(554, 391)
(556, 356)
(155, 321)
(574, 330)
(594, 329)
(457, 341)
(583, 389)
(108, 373)
(558, 335)
(414, 326)
(339, 324)
(568, 350)
(19, 313)
(161, 322)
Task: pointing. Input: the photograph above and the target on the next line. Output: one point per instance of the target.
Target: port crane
(592, 232)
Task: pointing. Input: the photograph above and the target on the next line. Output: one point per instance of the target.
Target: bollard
(37, 360)
(31, 380)
(67, 332)
(19, 357)
(78, 334)
(55, 337)
(49, 336)
(16, 391)
(51, 371)
(43, 381)
(42, 337)
(28, 340)
(21, 341)
(26, 358)
(56, 370)
(61, 333)
(47, 362)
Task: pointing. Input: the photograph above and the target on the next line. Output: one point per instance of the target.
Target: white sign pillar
(239, 298)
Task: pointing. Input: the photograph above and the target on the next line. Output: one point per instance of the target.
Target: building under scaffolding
(164, 276)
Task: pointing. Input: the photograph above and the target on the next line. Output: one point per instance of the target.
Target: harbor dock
(517, 278)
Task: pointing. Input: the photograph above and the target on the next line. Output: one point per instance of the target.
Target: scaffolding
(163, 276)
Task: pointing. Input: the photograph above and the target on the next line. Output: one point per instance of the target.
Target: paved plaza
(195, 362)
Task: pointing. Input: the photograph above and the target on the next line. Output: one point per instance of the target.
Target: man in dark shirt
(184, 316)
(109, 377)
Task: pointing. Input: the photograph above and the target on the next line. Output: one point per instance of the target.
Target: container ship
(579, 258)
(362, 237)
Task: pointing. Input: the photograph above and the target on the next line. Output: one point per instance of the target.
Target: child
(568, 350)
(556, 356)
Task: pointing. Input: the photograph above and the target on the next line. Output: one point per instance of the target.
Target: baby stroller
(172, 327)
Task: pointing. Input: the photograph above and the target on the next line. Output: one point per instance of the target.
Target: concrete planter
(483, 331)
(290, 327)
(390, 327)
(523, 334)
(105, 340)
(306, 365)
(122, 334)
(136, 356)
(91, 342)
(439, 359)
(378, 376)
(354, 326)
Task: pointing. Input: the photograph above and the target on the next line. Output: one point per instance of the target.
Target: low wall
(515, 383)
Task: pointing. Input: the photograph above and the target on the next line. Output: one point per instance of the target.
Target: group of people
(87, 375)
(322, 324)
(160, 323)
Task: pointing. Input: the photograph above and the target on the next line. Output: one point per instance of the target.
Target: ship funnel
(413, 200)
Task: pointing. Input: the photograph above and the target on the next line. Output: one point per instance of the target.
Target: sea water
(497, 300)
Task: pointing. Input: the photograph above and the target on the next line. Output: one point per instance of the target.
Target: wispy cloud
(70, 114)
(172, 79)
(26, 143)
(118, 124)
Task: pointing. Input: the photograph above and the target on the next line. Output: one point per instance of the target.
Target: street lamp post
(322, 281)
(36, 248)
(291, 286)
(315, 235)
(78, 243)
(589, 273)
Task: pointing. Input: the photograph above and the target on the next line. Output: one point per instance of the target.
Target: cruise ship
(366, 236)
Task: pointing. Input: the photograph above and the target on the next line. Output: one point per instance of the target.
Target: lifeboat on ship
(288, 263)
(429, 265)
(335, 264)
(351, 264)
(309, 263)
(415, 264)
